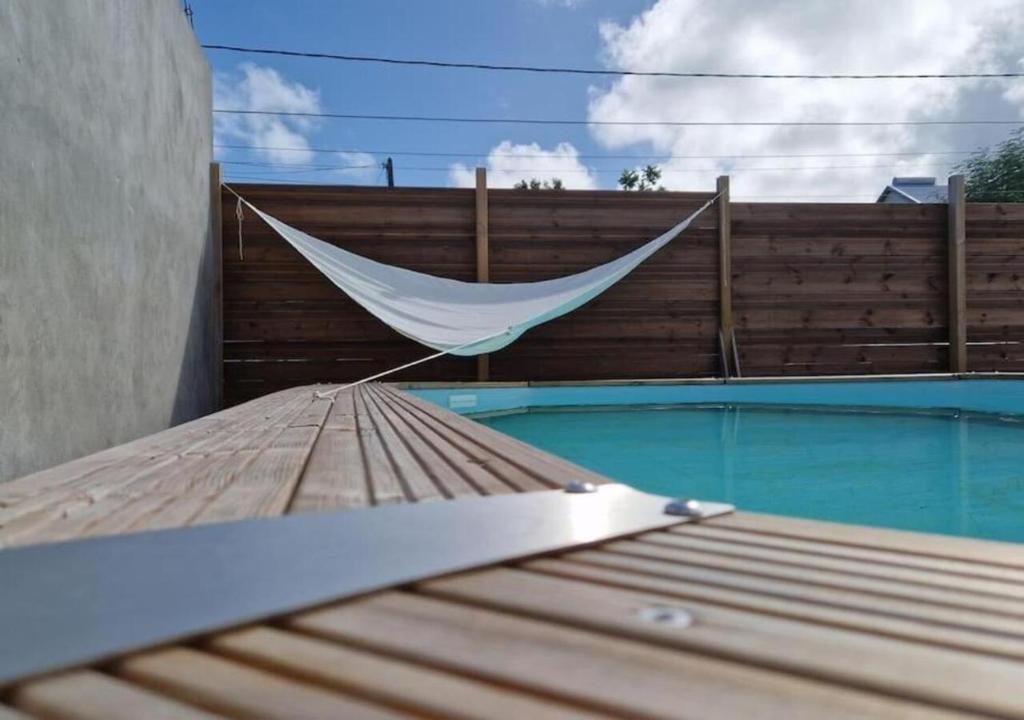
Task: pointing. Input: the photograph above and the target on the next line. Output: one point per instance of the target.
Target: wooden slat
(241, 463)
(287, 452)
(147, 490)
(818, 547)
(935, 675)
(609, 674)
(547, 469)
(268, 482)
(708, 578)
(384, 679)
(176, 490)
(459, 472)
(425, 471)
(238, 690)
(863, 568)
(976, 552)
(477, 455)
(387, 484)
(891, 619)
(337, 475)
(89, 695)
(29, 493)
(828, 578)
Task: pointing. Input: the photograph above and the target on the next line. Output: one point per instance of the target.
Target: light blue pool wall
(966, 394)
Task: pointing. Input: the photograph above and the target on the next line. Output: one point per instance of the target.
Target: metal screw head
(578, 486)
(684, 507)
(666, 615)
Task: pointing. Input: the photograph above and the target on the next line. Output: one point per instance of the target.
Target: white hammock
(455, 317)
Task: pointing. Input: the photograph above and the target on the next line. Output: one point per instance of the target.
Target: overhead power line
(585, 156)
(655, 123)
(608, 72)
(294, 167)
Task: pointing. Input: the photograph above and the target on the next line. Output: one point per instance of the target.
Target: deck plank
(879, 620)
(386, 484)
(943, 677)
(445, 464)
(817, 547)
(45, 483)
(609, 674)
(266, 486)
(147, 491)
(863, 568)
(89, 695)
(286, 452)
(496, 472)
(550, 470)
(948, 596)
(239, 690)
(983, 552)
(384, 679)
(336, 476)
(419, 479)
(102, 502)
(791, 590)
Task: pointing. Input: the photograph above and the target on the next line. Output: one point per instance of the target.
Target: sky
(851, 163)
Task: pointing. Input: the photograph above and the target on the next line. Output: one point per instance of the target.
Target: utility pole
(390, 167)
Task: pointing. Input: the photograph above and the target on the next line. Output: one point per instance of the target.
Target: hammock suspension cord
(333, 393)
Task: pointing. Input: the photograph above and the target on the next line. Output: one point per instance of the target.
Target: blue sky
(728, 35)
(503, 31)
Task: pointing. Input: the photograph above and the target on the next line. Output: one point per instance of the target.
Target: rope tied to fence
(240, 217)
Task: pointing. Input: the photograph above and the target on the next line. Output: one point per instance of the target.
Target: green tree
(535, 184)
(641, 180)
(997, 174)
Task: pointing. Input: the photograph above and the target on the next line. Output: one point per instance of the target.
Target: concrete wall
(106, 265)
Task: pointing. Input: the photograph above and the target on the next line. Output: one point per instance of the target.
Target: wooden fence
(814, 289)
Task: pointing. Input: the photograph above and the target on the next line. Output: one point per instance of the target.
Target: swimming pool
(942, 456)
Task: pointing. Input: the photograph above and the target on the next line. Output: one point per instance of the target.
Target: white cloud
(508, 163)
(794, 36)
(359, 167)
(1014, 93)
(260, 88)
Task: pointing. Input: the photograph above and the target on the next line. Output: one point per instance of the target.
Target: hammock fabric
(455, 317)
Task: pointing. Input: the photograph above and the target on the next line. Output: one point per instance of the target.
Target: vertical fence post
(725, 274)
(483, 263)
(957, 275)
(217, 308)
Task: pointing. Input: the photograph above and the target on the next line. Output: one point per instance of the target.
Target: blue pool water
(924, 463)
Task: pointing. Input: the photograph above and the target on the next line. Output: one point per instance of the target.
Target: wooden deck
(789, 618)
(287, 452)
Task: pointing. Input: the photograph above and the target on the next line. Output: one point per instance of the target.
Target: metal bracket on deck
(73, 603)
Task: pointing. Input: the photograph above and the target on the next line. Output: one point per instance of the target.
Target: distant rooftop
(908, 190)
